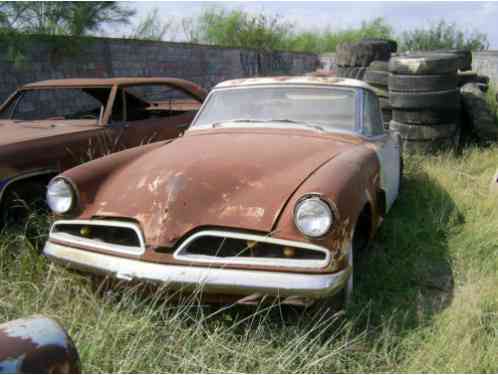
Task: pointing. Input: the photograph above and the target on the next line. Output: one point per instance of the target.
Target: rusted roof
(185, 85)
(314, 80)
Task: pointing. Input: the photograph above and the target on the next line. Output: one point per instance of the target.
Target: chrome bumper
(212, 280)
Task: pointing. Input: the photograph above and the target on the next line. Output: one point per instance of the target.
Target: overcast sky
(402, 15)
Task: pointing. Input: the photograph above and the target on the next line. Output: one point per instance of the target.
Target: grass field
(425, 296)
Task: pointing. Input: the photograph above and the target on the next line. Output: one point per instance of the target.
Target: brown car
(47, 127)
(269, 193)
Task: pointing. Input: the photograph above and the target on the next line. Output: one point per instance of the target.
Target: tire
(376, 77)
(350, 72)
(423, 132)
(393, 45)
(471, 77)
(382, 66)
(424, 64)
(362, 53)
(381, 91)
(416, 83)
(464, 57)
(384, 104)
(425, 117)
(449, 99)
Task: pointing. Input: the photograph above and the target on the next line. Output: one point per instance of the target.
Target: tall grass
(425, 297)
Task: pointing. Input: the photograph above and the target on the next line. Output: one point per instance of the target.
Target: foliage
(327, 41)
(152, 27)
(425, 297)
(72, 18)
(442, 35)
(240, 29)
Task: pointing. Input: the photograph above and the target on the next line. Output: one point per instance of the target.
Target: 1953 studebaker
(275, 185)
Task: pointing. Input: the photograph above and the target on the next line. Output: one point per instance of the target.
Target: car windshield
(323, 109)
(58, 104)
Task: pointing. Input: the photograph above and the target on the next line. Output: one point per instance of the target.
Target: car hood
(22, 131)
(219, 178)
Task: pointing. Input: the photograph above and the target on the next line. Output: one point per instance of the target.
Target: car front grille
(107, 235)
(246, 249)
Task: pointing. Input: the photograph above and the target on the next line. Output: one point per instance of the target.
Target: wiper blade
(220, 123)
(304, 123)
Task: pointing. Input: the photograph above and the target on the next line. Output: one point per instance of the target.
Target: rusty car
(49, 126)
(37, 345)
(274, 187)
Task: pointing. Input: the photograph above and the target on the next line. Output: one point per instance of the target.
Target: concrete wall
(485, 63)
(101, 57)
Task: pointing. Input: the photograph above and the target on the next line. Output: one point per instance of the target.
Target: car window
(156, 101)
(330, 108)
(372, 121)
(61, 103)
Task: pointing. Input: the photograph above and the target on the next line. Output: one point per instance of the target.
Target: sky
(310, 15)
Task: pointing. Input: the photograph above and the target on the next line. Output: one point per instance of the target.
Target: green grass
(425, 296)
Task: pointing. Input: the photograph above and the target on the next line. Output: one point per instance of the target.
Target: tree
(61, 18)
(151, 27)
(442, 35)
(240, 29)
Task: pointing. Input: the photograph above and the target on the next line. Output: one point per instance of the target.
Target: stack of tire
(352, 59)
(377, 75)
(425, 100)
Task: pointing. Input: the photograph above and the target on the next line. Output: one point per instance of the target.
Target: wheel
(393, 45)
(424, 64)
(350, 72)
(449, 99)
(20, 201)
(425, 117)
(376, 77)
(414, 83)
(382, 66)
(423, 132)
(362, 53)
(464, 57)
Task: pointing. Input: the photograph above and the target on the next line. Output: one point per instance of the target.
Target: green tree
(240, 29)
(152, 27)
(442, 35)
(61, 18)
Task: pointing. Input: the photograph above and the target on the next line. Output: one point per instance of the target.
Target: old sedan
(55, 125)
(269, 193)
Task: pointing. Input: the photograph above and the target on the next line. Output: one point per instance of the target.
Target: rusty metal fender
(101, 169)
(347, 183)
(37, 345)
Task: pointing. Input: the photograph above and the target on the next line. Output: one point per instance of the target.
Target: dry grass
(426, 297)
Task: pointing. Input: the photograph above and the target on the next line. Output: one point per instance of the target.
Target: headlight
(60, 196)
(313, 217)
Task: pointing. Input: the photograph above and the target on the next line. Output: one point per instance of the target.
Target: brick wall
(104, 57)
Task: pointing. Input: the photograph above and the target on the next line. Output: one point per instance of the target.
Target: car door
(155, 113)
(387, 147)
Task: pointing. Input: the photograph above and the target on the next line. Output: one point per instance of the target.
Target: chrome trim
(278, 262)
(82, 242)
(211, 280)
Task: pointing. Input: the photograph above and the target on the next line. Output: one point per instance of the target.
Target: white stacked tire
(377, 75)
(425, 101)
(352, 59)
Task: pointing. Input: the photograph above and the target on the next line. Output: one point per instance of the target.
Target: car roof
(182, 84)
(299, 80)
